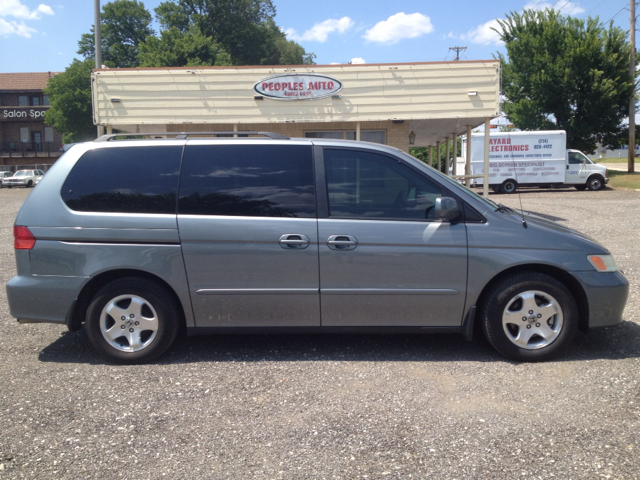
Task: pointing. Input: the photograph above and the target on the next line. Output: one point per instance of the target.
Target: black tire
(505, 317)
(156, 307)
(509, 186)
(29, 184)
(496, 188)
(582, 188)
(595, 183)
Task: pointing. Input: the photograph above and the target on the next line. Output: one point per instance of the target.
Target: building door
(384, 258)
(37, 140)
(248, 228)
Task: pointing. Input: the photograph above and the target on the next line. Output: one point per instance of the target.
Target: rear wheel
(595, 183)
(529, 317)
(132, 320)
(509, 186)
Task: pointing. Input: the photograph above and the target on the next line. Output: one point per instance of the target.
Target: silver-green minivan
(140, 238)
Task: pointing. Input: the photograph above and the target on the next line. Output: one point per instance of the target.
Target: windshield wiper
(503, 208)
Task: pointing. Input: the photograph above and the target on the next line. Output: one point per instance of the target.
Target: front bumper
(607, 296)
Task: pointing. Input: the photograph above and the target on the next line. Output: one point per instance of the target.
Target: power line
(619, 12)
(596, 7)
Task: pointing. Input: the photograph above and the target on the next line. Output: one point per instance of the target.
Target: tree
(70, 99)
(565, 73)
(244, 28)
(124, 25)
(175, 48)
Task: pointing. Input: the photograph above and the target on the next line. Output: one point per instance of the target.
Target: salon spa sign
(309, 86)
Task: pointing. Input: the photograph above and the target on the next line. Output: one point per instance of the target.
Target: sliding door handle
(342, 242)
(294, 240)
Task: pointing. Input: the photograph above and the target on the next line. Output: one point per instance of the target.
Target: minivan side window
(248, 180)
(125, 180)
(369, 185)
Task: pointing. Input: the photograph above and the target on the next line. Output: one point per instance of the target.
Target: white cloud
(483, 34)
(566, 8)
(15, 28)
(14, 8)
(357, 60)
(398, 27)
(320, 31)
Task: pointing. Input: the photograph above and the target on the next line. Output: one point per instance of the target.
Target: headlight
(603, 263)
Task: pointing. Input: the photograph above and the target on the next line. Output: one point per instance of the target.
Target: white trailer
(533, 159)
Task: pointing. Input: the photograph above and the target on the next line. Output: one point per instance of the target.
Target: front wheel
(529, 317)
(132, 320)
(595, 183)
(509, 186)
(581, 188)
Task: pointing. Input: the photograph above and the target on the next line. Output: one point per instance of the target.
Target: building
(398, 104)
(24, 138)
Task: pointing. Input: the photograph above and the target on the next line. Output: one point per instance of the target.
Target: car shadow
(613, 343)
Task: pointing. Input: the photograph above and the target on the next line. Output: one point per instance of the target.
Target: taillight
(23, 239)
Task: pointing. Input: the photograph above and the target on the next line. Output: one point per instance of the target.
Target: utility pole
(632, 100)
(458, 49)
(98, 42)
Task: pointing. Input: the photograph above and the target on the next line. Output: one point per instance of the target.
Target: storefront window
(35, 101)
(45, 100)
(23, 101)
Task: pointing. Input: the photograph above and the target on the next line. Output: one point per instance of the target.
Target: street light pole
(98, 43)
(632, 100)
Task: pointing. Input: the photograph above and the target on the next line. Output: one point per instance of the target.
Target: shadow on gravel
(622, 341)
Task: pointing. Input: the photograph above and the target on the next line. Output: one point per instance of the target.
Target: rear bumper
(42, 299)
(607, 296)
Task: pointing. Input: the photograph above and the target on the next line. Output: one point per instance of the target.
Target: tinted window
(575, 158)
(248, 180)
(125, 180)
(369, 185)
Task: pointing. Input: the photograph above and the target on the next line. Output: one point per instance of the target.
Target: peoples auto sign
(310, 86)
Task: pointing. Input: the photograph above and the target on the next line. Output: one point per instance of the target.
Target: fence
(30, 149)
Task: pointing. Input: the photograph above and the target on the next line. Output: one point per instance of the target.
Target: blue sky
(42, 35)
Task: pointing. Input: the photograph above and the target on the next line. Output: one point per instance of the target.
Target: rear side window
(248, 180)
(125, 180)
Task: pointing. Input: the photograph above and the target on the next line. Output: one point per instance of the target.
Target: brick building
(25, 140)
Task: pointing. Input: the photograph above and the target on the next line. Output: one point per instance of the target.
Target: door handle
(294, 240)
(342, 242)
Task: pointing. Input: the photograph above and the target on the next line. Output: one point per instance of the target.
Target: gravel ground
(334, 407)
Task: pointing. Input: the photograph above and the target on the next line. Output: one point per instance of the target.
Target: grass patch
(615, 160)
(624, 180)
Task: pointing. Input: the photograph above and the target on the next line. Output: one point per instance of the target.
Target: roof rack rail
(185, 135)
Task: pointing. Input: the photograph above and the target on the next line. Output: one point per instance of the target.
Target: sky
(40, 37)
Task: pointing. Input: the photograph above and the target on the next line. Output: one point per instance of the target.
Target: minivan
(237, 232)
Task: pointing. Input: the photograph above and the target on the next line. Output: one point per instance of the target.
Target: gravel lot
(334, 407)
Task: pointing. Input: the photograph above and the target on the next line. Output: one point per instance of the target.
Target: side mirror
(447, 209)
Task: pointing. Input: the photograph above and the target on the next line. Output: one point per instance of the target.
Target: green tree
(175, 48)
(565, 73)
(70, 99)
(246, 29)
(124, 25)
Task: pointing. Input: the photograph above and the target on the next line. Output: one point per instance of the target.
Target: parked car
(140, 238)
(3, 175)
(23, 178)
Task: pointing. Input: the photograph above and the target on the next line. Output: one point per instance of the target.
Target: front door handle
(294, 240)
(342, 242)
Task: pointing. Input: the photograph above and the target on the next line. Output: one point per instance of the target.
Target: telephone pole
(458, 49)
(632, 100)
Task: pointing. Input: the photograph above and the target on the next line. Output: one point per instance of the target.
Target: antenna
(515, 171)
(457, 50)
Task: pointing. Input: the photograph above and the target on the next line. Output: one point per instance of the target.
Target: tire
(595, 183)
(582, 188)
(509, 186)
(29, 184)
(496, 188)
(529, 317)
(142, 310)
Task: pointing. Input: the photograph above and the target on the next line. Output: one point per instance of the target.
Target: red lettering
(300, 86)
(330, 85)
(310, 86)
(277, 85)
(265, 85)
(270, 85)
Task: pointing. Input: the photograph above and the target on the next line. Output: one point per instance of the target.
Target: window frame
(345, 134)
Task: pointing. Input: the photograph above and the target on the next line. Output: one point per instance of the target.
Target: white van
(533, 159)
